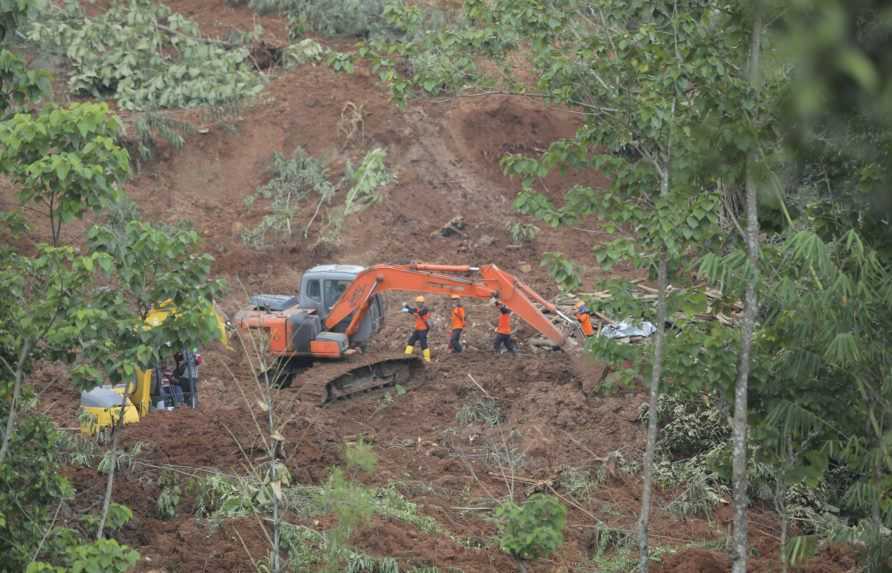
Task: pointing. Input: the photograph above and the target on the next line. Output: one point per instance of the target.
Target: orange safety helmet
(419, 298)
(579, 304)
(454, 297)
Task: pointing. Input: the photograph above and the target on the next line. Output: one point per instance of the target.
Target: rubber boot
(410, 350)
(427, 354)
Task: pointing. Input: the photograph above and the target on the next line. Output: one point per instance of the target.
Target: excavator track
(327, 382)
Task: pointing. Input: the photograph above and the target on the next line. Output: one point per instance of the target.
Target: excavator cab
(322, 286)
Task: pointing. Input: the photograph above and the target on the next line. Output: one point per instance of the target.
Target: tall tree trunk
(655, 374)
(16, 392)
(750, 312)
(109, 484)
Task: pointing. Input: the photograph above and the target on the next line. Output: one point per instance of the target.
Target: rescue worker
(503, 330)
(584, 316)
(422, 325)
(457, 322)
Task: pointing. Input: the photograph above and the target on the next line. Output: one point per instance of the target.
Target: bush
(146, 56)
(105, 555)
(533, 530)
(361, 456)
(169, 498)
(356, 18)
(689, 427)
(522, 232)
(365, 182)
(293, 180)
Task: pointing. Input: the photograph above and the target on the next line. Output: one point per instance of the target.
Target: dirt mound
(486, 129)
(696, 561)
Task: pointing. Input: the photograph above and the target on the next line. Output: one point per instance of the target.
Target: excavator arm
(485, 282)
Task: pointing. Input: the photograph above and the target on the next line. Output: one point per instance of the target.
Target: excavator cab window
(313, 290)
(333, 291)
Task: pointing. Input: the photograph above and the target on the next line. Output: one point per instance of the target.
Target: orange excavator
(339, 308)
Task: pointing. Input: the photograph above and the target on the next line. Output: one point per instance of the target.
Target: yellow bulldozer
(164, 387)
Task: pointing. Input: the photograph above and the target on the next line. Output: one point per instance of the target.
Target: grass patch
(483, 411)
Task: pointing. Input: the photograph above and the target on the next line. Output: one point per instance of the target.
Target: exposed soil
(445, 155)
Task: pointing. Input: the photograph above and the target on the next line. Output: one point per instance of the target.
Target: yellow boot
(427, 354)
(410, 350)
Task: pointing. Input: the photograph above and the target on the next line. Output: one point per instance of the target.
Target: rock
(525, 267)
(486, 241)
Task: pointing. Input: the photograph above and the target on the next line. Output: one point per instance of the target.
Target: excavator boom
(485, 282)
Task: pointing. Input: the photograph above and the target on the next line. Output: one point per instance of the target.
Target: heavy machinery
(159, 388)
(339, 308)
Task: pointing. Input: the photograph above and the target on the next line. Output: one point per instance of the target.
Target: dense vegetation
(748, 148)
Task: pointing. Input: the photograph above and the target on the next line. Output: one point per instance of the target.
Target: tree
(65, 160)
(644, 75)
(18, 84)
(748, 324)
(41, 295)
(149, 267)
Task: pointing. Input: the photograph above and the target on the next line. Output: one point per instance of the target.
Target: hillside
(555, 430)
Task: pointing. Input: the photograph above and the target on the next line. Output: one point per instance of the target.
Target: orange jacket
(585, 321)
(422, 315)
(504, 320)
(458, 318)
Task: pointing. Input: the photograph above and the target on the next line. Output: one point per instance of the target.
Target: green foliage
(219, 497)
(150, 265)
(562, 270)
(700, 496)
(522, 232)
(30, 486)
(145, 56)
(436, 53)
(43, 295)
(103, 556)
(579, 483)
(64, 159)
(306, 51)
(689, 426)
(20, 85)
(390, 503)
(152, 126)
(292, 181)
(353, 508)
(121, 460)
(118, 516)
(360, 456)
(620, 561)
(611, 539)
(356, 18)
(533, 530)
(169, 496)
(483, 411)
(365, 182)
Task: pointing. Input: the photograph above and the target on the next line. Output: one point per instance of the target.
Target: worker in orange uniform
(422, 325)
(457, 322)
(584, 316)
(503, 330)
